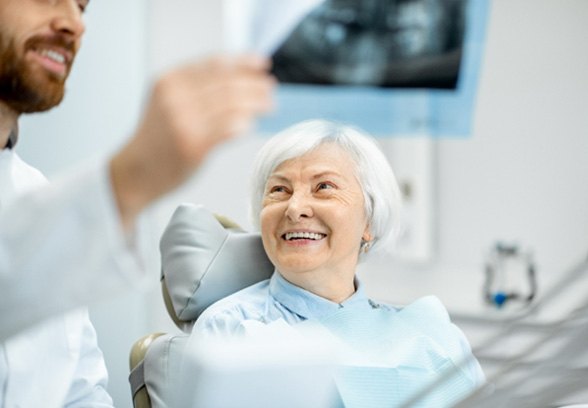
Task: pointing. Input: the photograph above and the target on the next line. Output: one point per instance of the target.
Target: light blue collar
(310, 306)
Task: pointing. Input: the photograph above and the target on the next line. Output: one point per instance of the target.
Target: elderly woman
(324, 198)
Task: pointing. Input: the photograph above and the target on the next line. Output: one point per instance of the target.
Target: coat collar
(12, 138)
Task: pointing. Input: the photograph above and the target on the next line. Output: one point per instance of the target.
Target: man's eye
(83, 4)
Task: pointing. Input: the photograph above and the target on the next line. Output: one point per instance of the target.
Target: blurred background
(520, 177)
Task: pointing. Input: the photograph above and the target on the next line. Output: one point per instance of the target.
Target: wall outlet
(413, 161)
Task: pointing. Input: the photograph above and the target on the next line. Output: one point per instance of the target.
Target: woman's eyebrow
(327, 173)
(322, 174)
(278, 176)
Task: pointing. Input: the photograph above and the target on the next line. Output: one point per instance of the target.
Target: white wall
(523, 175)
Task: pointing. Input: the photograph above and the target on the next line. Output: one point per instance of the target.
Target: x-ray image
(387, 43)
(392, 67)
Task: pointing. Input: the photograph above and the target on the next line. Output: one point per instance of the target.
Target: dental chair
(203, 259)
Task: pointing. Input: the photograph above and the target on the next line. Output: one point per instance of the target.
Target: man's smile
(54, 55)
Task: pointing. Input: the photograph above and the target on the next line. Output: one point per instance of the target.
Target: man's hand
(191, 110)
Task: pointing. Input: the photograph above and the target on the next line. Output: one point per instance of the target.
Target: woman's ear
(366, 242)
(367, 235)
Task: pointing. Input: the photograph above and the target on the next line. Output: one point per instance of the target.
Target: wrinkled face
(313, 216)
(38, 43)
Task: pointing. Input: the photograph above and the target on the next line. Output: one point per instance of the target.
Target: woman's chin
(297, 270)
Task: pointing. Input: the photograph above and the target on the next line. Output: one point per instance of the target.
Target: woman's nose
(68, 19)
(299, 206)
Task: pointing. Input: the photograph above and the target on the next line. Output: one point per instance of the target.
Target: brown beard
(23, 89)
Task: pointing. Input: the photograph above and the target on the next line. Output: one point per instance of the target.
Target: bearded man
(70, 243)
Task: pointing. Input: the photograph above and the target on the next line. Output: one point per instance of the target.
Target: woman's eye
(277, 189)
(324, 186)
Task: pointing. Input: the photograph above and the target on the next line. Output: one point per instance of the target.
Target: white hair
(380, 190)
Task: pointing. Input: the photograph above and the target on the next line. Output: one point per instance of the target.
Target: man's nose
(68, 19)
(299, 206)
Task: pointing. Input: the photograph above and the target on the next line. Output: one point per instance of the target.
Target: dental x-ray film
(393, 67)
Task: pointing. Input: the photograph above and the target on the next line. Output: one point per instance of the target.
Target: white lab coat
(54, 364)
(60, 248)
(61, 245)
